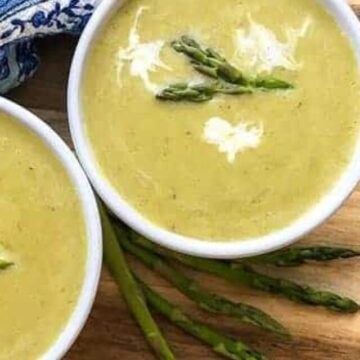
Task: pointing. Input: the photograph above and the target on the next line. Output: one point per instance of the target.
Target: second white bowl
(92, 222)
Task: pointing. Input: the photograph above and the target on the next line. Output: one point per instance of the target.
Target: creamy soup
(43, 233)
(236, 166)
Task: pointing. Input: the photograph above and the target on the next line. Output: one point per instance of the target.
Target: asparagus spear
(203, 298)
(243, 274)
(202, 92)
(4, 264)
(117, 265)
(211, 63)
(300, 255)
(221, 344)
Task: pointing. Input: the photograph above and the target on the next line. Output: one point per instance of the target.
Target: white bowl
(92, 221)
(212, 249)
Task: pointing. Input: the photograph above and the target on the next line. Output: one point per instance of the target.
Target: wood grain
(111, 332)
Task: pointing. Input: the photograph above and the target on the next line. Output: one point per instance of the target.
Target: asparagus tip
(4, 264)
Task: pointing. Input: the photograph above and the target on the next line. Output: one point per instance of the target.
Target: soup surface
(43, 233)
(237, 166)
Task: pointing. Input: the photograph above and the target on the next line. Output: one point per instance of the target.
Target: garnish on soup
(143, 57)
(4, 264)
(208, 62)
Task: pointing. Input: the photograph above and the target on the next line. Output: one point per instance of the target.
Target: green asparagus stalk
(202, 92)
(211, 63)
(242, 274)
(221, 344)
(115, 260)
(203, 298)
(300, 255)
(4, 264)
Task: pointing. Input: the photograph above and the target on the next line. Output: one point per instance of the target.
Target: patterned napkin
(23, 20)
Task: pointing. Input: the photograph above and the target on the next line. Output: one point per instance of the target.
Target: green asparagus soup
(42, 233)
(222, 123)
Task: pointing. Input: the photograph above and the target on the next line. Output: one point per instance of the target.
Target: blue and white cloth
(23, 20)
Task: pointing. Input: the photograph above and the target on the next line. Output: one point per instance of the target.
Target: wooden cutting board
(111, 332)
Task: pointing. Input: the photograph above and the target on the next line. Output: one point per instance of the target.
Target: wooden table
(111, 332)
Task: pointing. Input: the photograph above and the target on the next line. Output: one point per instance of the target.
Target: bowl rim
(317, 215)
(57, 146)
